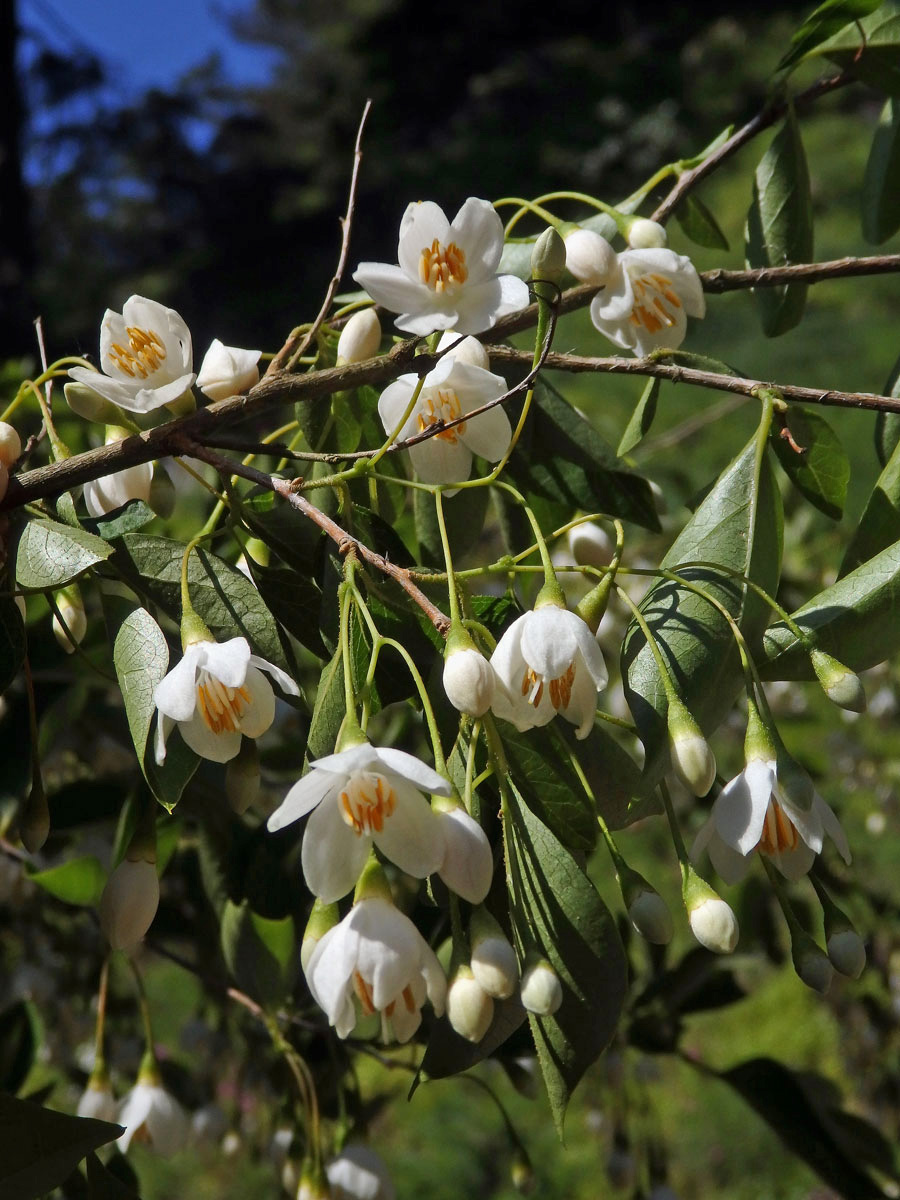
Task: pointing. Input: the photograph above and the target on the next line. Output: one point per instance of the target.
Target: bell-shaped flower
(754, 812)
(97, 1099)
(646, 300)
(146, 356)
(453, 389)
(447, 273)
(227, 370)
(358, 1173)
(151, 1114)
(378, 959)
(216, 694)
(548, 662)
(362, 795)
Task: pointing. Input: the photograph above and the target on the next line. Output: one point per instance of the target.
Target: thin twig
(291, 350)
(720, 280)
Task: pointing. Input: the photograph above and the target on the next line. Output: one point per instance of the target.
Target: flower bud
(646, 235)
(34, 828)
(650, 916)
(97, 1099)
(814, 968)
(548, 257)
(470, 1009)
(242, 776)
(493, 962)
(360, 337)
(692, 760)
(10, 444)
(313, 1185)
(521, 1173)
(71, 609)
(847, 952)
(841, 685)
(713, 924)
(91, 405)
(227, 370)
(322, 918)
(129, 902)
(590, 545)
(589, 257)
(469, 681)
(464, 349)
(541, 991)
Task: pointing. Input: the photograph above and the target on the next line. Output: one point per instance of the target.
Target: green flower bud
(841, 685)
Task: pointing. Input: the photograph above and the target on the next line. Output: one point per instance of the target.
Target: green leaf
(330, 707)
(879, 526)
(779, 227)
(291, 535)
(881, 186)
(641, 419)
(18, 1046)
(259, 953)
(78, 881)
(822, 471)
(130, 517)
(887, 424)
(717, 143)
(699, 224)
(549, 785)
(294, 600)
(561, 462)
(51, 554)
(103, 1185)
(871, 53)
(449, 1054)
(827, 20)
(855, 620)
(738, 524)
(12, 641)
(613, 777)
(556, 910)
(41, 1148)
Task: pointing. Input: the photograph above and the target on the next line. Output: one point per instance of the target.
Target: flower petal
(832, 827)
(392, 287)
(227, 661)
(549, 640)
(478, 231)
(582, 707)
(440, 460)
(284, 681)
(176, 693)
(303, 797)
(333, 855)
(412, 769)
(260, 711)
(411, 836)
(468, 865)
(422, 223)
(217, 747)
(393, 403)
(740, 809)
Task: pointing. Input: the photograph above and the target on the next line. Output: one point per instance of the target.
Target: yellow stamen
(220, 706)
(443, 268)
(439, 406)
(142, 356)
(654, 298)
(779, 833)
(367, 802)
(560, 689)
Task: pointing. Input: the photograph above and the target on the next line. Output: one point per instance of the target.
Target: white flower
(464, 349)
(495, 966)
(447, 273)
(644, 234)
(227, 370)
(451, 390)
(112, 491)
(469, 681)
(215, 694)
(468, 864)
(714, 925)
(377, 956)
(548, 661)
(752, 812)
(129, 902)
(589, 257)
(97, 1100)
(363, 795)
(646, 300)
(150, 1114)
(360, 337)
(358, 1173)
(145, 352)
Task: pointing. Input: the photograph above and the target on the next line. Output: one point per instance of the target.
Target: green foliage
(18, 1046)
(550, 787)
(50, 554)
(260, 953)
(814, 459)
(699, 224)
(870, 51)
(641, 419)
(828, 19)
(42, 1148)
(78, 881)
(880, 218)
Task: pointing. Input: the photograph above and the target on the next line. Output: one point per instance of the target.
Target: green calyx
(148, 1072)
(550, 593)
(373, 883)
(458, 638)
(592, 607)
(193, 629)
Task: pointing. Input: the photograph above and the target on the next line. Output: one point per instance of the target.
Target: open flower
(548, 662)
(447, 273)
(453, 389)
(377, 957)
(216, 694)
(752, 812)
(145, 352)
(646, 300)
(360, 796)
(151, 1114)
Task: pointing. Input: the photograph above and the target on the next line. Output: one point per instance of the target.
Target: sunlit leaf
(816, 462)
(699, 224)
(51, 554)
(78, 881)
(641, 419)
(828, 19)
(871, 50)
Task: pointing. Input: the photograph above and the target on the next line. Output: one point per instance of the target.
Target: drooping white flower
(377, 957)
(216, 693)
(151, 1114)
(447, 273)
(548, 662)
(362, 795)
(646, 300)
(714, 924)
(753, 812)
(112, 491)
(146, 356)
(358, 1173)
(97, 1099)
(453, 389)
(227, 370)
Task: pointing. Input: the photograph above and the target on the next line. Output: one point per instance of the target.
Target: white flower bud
(847, 952)
(97, 1099)
(815, 970)
(358, 1173)
(589, 257)
(650, 916)
(10, 444)
(469, 682)
(129, 903)
(71, 609)
(693, 762)
(646, 235)
(590, 545)
(541, 991)
(714, 925)
(227, 370)
(360, 337)
(470, 1009)
(464, 349)
(494, 965)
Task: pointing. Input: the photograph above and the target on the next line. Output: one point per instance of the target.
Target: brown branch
(294, 347)
(746, 133)
(720, 280)
(344, 541)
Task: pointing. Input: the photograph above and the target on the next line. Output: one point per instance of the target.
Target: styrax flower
(363, 795)
(453, 389)
(548, 662)
(227, 370)
(358, 1173)
(753, 812)
(377, 957)
(109, 492)
(145, 352)
(216, 694)
(151, 1114)
(447, 273)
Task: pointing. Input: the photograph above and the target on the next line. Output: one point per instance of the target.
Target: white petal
(329, 974)
(422, 223)
(730, 865)
(333, 854)
(259, 714)
(590, 652)
(144, 399)
(227, 661)
(164, 726)
(794, 864)
(392, 287)
(354, 758)
(468, 865)
(408, 767)
(150, 315)
(176, 693)
(112, 491)
(832, 827)
(216, 747)
(284, 681)
(582, 707)
(167, 1124)
(117, 391)
(479, 305)
(303, 797)
(421, 324)
(440, 460)
(392, 404)
(133, 1112)
(740, 808)
(411, 836)
(488, 434)
(616, 300)
(549, 640)
(478, 231)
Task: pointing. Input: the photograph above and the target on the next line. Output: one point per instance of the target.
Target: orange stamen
(439, 407)
(143, 355)
(364, 992)
(442, 267)
(220, 706)
(366, 802)
(779, 833)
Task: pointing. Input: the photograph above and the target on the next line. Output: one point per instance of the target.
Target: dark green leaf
(167, 782)
(827, 20)
(18, 1045)
(291, 535)
(259, 953)
(294, 599)
(871, 53)
(51, 554)
(641, 419)
(12, 641)
(449, 1054)
(103, 1185)
(779, 226)
(41, 1148)
(130, 517)
(78, 881)
(549, 785)
(613, 777)
(330, 707)
(879, 526)
(881, 186)
(887, 424)
(699, 224)
(556, 910)
(822, 471)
